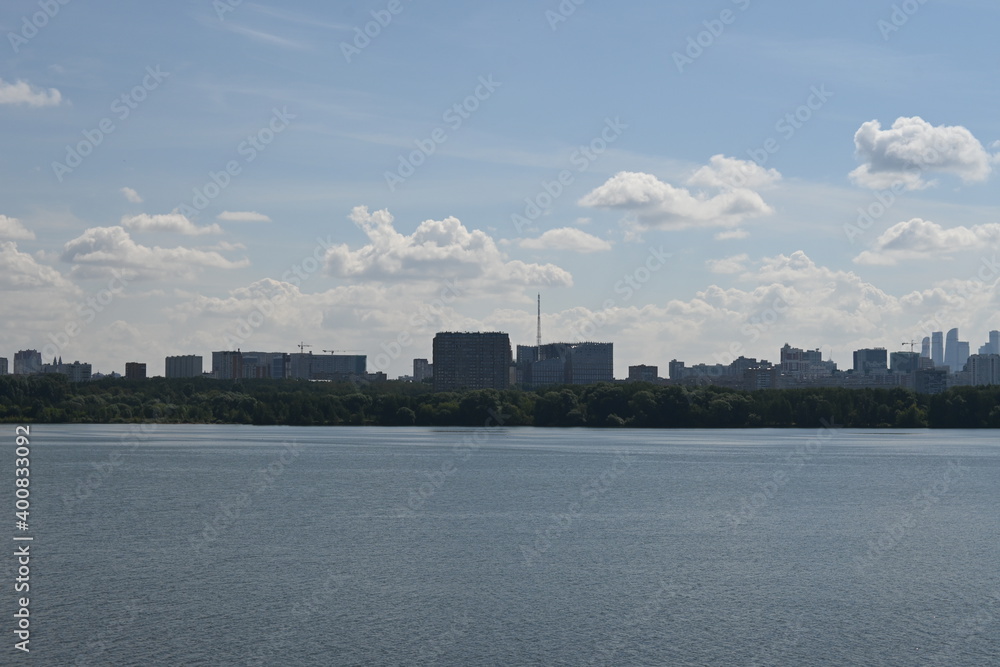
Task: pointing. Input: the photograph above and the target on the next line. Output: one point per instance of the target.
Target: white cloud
(19, 270)
(131, 195)
(731, 235)
(566, 238)
(21, 92)
(11, 228)
(243, 216)
(726, 196)
(920, 239)
(437, 249)
(99, 251)
(734, 264)
(169, 222)
(909, 150)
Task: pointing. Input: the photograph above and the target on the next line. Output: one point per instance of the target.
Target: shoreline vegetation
(52, 399)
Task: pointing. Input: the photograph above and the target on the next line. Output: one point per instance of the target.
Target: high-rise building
(471, 360)
(643, 373)
(937, 348)
(925, 347)
(675, 369)
(995, 342)
(870, 361)
(951, 351)
(135, 371)
(904, 362)
(565, 363)
(422, 370)
(984, 369)
(260, 365)
(931, 380)
(186, 366)
(3, 365)
(961, 355)
(27, 362)
(309, 366)
(227, 365)
(799, 362)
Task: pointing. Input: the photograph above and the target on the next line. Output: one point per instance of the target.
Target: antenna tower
(538, 339)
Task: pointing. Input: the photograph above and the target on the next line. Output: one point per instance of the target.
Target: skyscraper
(937, 348)
(871, 360)
(961, 356)
(27, 362)
(925, 347)
(951, 351)
(471, 360)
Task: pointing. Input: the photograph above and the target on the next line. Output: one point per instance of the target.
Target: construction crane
(912, 344)
(302, 347)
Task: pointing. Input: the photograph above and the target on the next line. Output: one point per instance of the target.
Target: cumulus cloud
(169, 222)
(912, 148)
(919, 239)
(437, 249)
(731, 235)
(131, 195)
(734, 264)
(19, 271)
(11, 228)
(100, 251)
(21, 92)
(720, 194)
(243, 216)
(566, 238)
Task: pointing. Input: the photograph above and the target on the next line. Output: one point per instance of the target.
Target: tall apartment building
(186, 366)
(135, 371)
(471, 360)
(643, 373)
(422, 370)
(27, 362)
(870, 361)
(76, 372)
(309, 366)
(227, 365)
(984, 369)
(3, 365)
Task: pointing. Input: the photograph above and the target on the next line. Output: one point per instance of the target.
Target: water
(343, 546)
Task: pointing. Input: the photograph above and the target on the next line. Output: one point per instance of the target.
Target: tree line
(52, 399)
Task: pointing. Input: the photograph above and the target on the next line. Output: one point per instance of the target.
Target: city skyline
(738, 175)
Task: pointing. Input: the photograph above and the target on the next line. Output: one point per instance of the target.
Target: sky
(693, 181)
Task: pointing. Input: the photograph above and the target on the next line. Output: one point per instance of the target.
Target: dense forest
(51, 399)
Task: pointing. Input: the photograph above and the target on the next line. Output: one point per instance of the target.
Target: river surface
(239, 545)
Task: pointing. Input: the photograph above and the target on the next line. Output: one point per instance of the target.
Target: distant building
(800, 363)
(984, 369)
(309, 366)
(643, 373)
(675, 369)
(227, 365)
(422, 370)
(186, 366)
(27, 362)
(76, 372)
(870, 361)
(3, 365)
(565, 363)
(904, 362)
(262, 365)
(925, 347)
(937, 348)
(135, 371)
(931, 381)
(469, 360)
(951, 351)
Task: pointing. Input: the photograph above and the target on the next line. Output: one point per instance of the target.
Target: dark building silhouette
(469, 360)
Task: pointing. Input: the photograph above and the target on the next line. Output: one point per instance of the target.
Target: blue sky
(234, 190)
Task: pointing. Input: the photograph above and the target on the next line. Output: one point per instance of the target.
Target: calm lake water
(242, 545)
